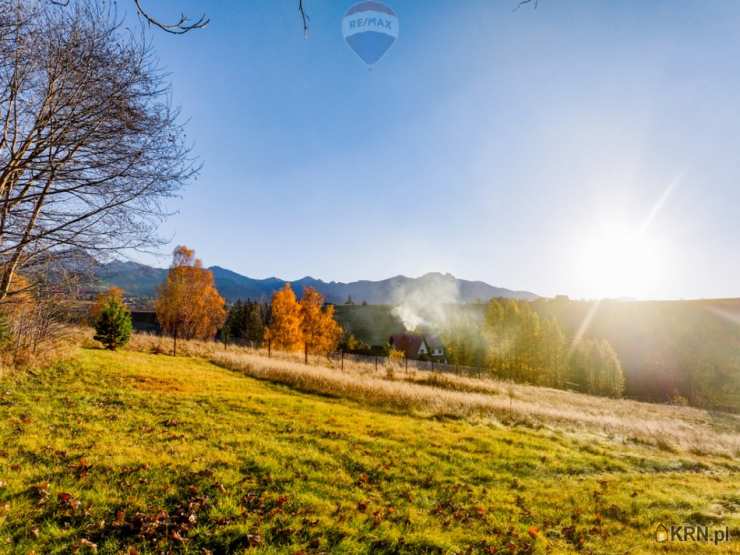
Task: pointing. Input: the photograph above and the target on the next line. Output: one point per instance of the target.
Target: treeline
(188, 306)
(512, 341)
(287, 323)
(246, 323)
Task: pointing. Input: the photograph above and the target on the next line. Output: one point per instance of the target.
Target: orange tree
(188, 305)
(284, 331)
(102, 300)
(320, 331)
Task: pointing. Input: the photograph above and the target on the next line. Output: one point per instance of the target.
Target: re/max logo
(695, 533)
(377, 22)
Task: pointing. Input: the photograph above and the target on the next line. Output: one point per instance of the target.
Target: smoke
(426, 302)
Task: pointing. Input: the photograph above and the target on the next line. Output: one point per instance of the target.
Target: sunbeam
(622, 262)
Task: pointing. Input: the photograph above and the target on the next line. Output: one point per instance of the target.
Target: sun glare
(618, 262)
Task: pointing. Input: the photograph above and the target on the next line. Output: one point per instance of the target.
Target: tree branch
(304, 17)
(534, 3)
(180, 27)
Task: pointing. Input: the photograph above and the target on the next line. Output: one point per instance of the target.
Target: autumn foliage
(189, 306)
(284, 331)
(320, 331)
(303, 324)
(102, 300)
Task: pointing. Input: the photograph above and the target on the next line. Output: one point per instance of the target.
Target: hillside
(142, 281)
(144, 453)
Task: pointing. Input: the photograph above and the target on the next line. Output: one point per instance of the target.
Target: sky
(580, 148)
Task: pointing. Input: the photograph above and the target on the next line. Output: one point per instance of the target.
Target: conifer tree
(101, 301)
(113, 325)
(245, 322)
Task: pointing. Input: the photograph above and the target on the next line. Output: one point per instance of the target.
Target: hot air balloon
(370, 29)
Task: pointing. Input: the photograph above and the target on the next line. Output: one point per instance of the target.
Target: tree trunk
(305, 353)
(174, 347)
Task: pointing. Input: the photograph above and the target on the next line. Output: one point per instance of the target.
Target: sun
(617, 262)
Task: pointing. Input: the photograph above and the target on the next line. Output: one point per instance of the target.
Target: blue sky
(527, 149)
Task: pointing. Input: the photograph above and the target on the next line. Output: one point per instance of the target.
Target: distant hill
(140, 280)
(137, 280)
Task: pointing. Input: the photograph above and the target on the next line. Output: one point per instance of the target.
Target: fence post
(269, 348)
(376, 363)
(342, 360)
(406, 362)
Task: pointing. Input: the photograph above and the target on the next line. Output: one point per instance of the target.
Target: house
(416, 346)
(412, 345)
(435, 346)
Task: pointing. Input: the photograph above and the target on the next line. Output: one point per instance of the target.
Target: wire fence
(347, 361)
(378, 362)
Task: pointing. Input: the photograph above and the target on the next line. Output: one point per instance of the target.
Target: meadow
(227, 451)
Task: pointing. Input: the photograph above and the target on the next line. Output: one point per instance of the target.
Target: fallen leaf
(88, 543)
(67, 500)
(176, 536)
(120, 519)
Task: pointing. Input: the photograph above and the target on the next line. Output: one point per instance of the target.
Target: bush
(113, 326)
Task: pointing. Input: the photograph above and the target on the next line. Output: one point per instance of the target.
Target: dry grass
(59, 344)
(426, 393)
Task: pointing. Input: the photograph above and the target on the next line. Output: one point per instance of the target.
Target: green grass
(130, 450)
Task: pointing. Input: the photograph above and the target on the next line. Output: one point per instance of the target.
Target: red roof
(407, 342)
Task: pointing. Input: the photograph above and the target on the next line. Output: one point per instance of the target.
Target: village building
(418, 347)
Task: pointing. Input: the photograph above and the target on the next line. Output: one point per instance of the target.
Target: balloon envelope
(370, 29)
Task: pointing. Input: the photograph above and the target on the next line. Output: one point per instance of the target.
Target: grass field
(137, 453)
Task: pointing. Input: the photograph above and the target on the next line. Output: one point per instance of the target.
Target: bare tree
(89, 144)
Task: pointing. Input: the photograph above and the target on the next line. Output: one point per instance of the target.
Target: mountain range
(140, 280)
